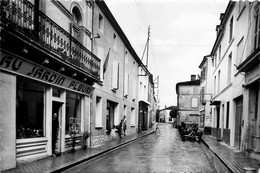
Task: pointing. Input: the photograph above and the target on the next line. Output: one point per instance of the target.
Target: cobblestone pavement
(162, 151)
(232, 158)
(66, 160)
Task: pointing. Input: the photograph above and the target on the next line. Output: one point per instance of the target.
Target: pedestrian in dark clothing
(124, 126)
(55, 130)
(120, 129)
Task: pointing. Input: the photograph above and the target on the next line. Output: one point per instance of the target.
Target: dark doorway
(238, 121)
(110, 116)
(56, 133)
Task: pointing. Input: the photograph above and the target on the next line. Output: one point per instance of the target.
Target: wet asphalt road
(162, 151)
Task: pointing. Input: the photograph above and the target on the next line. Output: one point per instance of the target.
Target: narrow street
(158, 152)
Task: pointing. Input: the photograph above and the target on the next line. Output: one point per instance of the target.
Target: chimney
(193, 77)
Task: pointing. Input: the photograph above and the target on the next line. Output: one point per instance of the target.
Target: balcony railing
(20, 16)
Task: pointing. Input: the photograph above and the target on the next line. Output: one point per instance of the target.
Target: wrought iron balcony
(19, 15)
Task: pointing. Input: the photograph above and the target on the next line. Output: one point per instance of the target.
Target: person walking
(55, 130)
(124, 126)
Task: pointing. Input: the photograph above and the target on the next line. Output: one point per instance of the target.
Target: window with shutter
(126, 85)
(115, 75)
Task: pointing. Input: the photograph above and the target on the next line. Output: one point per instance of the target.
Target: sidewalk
(233, 159)
(67, 160)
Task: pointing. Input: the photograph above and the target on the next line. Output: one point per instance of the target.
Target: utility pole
(148, 39)
(156, 86)
(147, 47)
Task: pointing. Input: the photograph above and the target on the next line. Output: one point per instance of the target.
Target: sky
(182, 32)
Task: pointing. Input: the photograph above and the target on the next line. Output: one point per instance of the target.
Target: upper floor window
(240, 50)
(203, 73)
(194, 102)
(215, 60)
(219, 81)
(230, 29)
(215, 87)
(126, 85)
(77, 18)
(257, 30)
(126, 57)
(115, 75)
(114, 41)
(100, 22)
(219, 54)
(202, 93)
(229, 68)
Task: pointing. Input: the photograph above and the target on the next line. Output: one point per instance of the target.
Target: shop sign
(28, 69)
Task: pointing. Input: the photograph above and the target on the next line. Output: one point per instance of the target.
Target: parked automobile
(190, 131)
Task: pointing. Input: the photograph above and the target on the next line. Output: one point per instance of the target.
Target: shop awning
(215, 102)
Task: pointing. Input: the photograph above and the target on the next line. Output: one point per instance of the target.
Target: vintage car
(190, 131)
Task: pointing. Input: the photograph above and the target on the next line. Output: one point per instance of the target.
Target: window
(77, 16)
(231, 29)
(73, 111)
(98, 112)
(194, 102)
(126, 57)
(219, 54)
(126, 85)
(132, 116)
(100, 22)
(29, 109)
(203, 74)
(115, 42)
(134, 89)
(240, 47)
(257, 30)
(89, 17)
(115, 75)
(227, 117)
(202, 93)
(100, 54)
(219, 81)
(196, 90)
(229, 72)
(215, 87)
(125, 111)
(215, 59)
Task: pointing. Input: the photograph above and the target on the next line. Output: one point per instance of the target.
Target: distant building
(188, 100)
(206, 85)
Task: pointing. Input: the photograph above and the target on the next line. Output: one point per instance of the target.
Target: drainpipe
(90, 96)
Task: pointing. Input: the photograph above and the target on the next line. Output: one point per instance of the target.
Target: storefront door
(238, 121)
(253, 110)
(56, 124)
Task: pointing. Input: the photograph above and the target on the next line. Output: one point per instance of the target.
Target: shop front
(41, 110)
(143, 116)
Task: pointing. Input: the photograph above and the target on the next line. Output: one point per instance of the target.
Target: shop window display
(29, 109)
(73, 118)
